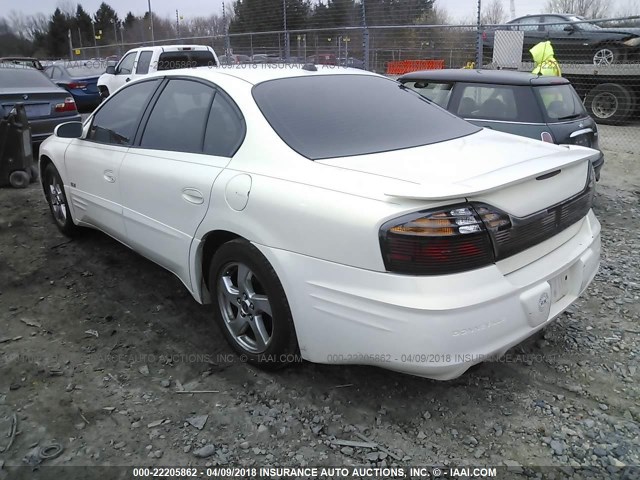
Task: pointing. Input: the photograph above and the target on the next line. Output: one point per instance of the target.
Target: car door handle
(193, 195)
(108, 176)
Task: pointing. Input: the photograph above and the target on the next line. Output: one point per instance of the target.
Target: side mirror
(69, 130)
(569, 28)
(111, 70)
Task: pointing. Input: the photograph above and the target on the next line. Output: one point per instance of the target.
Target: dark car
(234, 59)
(577, 40)
(544, 108)
(23, 62)
(80, 79)
(46, 104)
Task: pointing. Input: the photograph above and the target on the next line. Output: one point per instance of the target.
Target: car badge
(25, 97)
(580, 125)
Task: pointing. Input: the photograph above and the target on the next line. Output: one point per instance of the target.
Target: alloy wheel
(58, 201)
(604, 56)
(245, 307)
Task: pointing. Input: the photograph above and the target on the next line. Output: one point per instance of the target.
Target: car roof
(501, 77)
(171, 48)
(255, 74)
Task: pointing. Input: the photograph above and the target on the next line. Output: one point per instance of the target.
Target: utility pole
(479, 37)
(70, 45)
(115, 34)
(513, 9)
(365, 37)
(286, 33)
(177, 25)
(227, 47)
(95, 39)
(153, 40)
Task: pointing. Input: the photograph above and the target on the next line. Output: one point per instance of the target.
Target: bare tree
(584, 8)
(630, 9)
(493, 13)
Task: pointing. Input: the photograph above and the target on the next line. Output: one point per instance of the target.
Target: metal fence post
(479, 37)
(365, 37)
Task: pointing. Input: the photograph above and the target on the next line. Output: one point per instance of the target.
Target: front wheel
(250, 306)
(57, 200)
(19, 179)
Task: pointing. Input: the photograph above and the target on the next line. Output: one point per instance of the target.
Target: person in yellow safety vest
(546, 64)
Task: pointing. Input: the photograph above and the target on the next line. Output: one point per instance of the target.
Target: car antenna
(309, 67)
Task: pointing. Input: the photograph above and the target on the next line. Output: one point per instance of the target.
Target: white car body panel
(318, 224)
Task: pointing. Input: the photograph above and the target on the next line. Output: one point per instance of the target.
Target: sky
(188, 8)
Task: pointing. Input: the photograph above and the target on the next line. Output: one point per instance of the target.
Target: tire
(606, 55)
(19, 179)
(610, 103)
(57, 200)
(250, 306)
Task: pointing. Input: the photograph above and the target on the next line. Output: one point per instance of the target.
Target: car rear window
(12, 76)
(507, 103)
(186, 59)
(437, 92)
(328, 116)
(560, 103)
(86, 71)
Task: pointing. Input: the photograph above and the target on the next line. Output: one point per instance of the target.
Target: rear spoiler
(497, 179)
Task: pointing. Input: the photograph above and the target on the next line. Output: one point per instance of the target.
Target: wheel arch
(209, 244)
(43, 163)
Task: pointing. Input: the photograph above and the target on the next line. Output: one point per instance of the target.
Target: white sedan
(333, 214)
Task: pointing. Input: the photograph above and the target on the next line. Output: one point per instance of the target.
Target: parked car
(329, 213)
(541, 107)
(80, 79)
(46, 104)
(577, 42)
(142, 61)
(23, 62)
(234, 59)
(265, 58)
(351, 62)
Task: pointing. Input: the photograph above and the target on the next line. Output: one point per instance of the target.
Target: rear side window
(438, 93)
(327, 116)
(117, 120)
(511, 103)
(225, 128)
(560, 103)
(179, 117)
(143, 62)
(186, 59)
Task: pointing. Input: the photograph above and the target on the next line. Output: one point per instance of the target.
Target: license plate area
(560, 286)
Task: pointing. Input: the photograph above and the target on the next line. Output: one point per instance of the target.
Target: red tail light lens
(69, 105)
(79, 85)
(436, 242)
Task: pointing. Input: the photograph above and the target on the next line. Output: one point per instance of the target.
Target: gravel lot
(96, 344)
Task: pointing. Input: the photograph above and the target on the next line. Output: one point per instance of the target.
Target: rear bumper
(435, 327)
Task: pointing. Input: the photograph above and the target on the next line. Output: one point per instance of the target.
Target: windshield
(560, 102)
(584, 26)
(327, 116)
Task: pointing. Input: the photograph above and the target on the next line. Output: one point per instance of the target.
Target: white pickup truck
(139, 62)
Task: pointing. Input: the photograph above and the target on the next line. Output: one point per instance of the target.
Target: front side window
(179, 117)
(126, 65)
(438, 93)
(117, 120)
(143, 62)
(328, 116)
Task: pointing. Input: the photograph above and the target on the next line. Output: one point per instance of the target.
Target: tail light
(546, 137)
(437, 242)
(69, 105)
(80, 85)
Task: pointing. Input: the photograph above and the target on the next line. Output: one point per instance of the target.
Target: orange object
(401, 67)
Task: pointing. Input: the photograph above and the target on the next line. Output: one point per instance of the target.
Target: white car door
(93, 162)
(189, 137)
(124, 71)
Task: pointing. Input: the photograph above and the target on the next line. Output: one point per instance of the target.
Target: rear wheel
(610, 103)
(57, 200)
(250, 306)
(19, 179)
(607, 55)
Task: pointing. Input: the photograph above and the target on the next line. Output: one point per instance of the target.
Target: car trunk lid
(38, 102)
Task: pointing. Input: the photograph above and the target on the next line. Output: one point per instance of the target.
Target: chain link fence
(600, 58)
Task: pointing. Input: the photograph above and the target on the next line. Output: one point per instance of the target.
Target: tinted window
(186, 59)
(551, 19)
(561, 102)
(528, 24)
(328, 116)
(143, 62)
(56, 73)
(12, 76)
(116, 122)
(179, 117)
(438, 93)
(498, 102)
(126, 65)
(225, 128)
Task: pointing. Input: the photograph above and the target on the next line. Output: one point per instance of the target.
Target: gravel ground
(97, 346)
